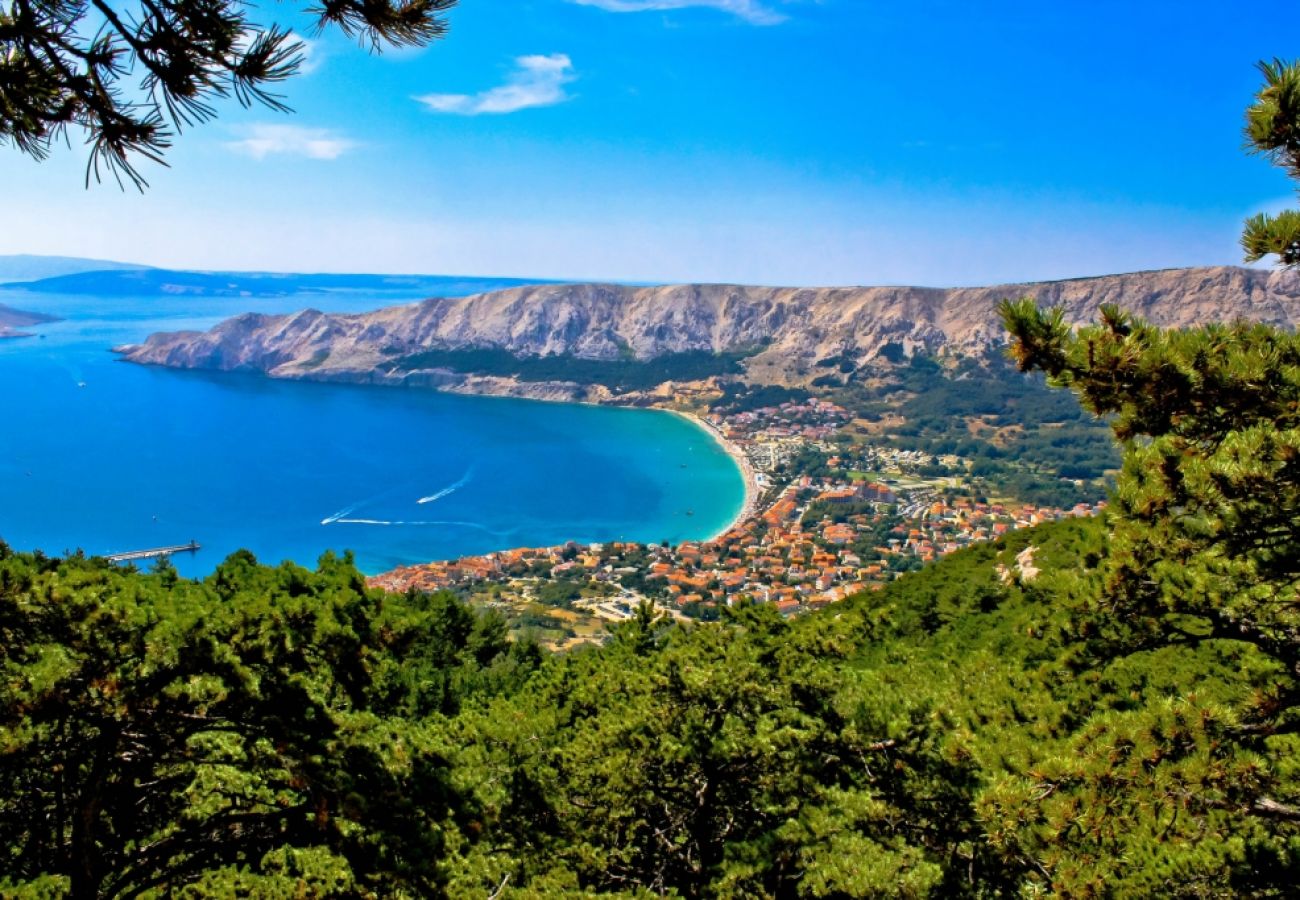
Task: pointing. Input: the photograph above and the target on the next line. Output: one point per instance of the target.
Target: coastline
(400, 577)
(749, 506)
(542, 392)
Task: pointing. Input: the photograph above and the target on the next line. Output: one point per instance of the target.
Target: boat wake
(340, 515)
(450, 489)
(397, 523)
(346, 516)
(343, 514)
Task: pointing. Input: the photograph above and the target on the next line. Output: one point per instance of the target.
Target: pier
(132, 556)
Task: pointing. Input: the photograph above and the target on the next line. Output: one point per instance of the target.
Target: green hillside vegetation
(966, 732)
(267, 730)
(1023, 439)
(1031, 436)
(626, 374)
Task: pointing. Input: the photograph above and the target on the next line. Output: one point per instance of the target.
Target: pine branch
(54, 76)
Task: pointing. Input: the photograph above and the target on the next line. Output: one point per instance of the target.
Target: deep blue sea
(109, 457)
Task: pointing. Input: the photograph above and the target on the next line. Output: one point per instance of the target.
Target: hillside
(961, 733)
(775, 335)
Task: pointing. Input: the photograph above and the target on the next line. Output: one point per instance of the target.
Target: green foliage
(737, 397)
(836, 512)
(1193, 610)
(1210, 490)
(973, 729)
(259, 731)
(721, 761)
(1279, 235)
(1096, 772)
(1049, 442)
(558, 592)
(616, 374)
(1273, 130)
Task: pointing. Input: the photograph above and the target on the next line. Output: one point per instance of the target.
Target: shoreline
(749, 477)
(749, 505)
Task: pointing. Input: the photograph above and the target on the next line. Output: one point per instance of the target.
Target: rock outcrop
(788, 330)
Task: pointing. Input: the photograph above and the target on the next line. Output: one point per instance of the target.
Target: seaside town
(802, 542)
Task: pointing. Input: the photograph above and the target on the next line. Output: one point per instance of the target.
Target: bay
(106, 456)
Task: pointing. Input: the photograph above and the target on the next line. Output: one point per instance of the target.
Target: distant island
(12, 319)
(112, 280)
(27, 268)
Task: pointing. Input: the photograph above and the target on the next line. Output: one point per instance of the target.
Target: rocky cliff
(786, 330)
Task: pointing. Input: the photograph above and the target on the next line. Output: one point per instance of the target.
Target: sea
(106, 457)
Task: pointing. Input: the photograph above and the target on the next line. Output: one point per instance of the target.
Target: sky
(799, 142)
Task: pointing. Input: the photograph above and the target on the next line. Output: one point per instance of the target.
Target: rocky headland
(773, 335)
(12, 319)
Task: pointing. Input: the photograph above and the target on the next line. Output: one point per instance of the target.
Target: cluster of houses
(818, 543)
(808, 420)
(771, 436)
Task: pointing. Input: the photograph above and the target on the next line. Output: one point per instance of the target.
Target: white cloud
(749, 10)
(313, 54)
(536, 81)
(291, 140)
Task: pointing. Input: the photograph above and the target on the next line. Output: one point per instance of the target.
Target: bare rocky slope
(787, 330)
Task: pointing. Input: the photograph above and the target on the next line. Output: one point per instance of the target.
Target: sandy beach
(750, 506)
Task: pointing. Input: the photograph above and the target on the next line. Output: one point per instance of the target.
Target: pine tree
(1273, 130)
(1203, 557)
(260, 733)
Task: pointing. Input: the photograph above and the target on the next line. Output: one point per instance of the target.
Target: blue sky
(763, 141)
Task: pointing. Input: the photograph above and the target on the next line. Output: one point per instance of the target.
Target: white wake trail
(450, 489)
(385, 523)
(340, 515)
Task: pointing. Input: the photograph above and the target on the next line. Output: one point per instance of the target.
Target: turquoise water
(105, 456)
